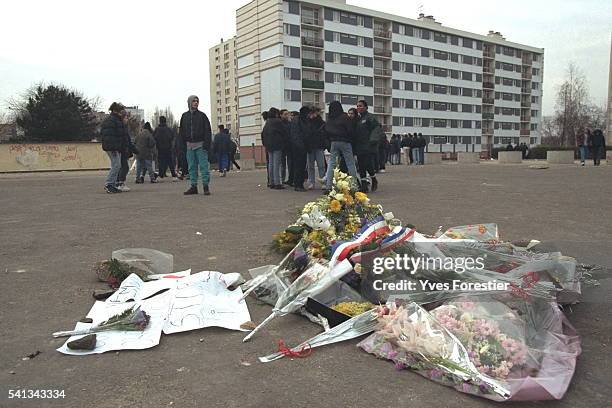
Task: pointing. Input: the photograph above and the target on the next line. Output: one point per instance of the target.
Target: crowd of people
(295, 144)
(185, 154)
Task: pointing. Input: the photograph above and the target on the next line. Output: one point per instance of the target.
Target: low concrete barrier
(433, 158)
(510, 157)
(609, 157)
(468, 157)
(52, 157)
(560, 156)
(247, 164)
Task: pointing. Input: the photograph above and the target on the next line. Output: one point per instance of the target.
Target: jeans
(318, 156)
(223, 161)
(287, 167)
(115, 159)
(142, 166)
(584, 153)
(422, 155)
(274, 167)
(345, 150)
(415, 155)
(198, 158)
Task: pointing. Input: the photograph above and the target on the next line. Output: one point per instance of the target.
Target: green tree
(51, 113)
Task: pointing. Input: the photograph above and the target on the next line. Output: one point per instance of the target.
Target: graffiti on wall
(36, 155)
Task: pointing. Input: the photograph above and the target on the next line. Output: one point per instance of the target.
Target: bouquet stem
(262, 324)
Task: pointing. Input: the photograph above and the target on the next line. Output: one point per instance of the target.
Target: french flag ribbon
(367, 233)
(387, 243)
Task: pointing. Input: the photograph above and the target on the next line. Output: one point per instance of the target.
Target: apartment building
(463, 91)
(223, 97)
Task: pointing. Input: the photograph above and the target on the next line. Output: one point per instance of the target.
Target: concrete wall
(52, 156)
(468, 157)
(510, 157)
(560, 156)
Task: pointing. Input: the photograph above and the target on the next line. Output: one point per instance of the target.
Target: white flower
(315, 219)
(339, 197)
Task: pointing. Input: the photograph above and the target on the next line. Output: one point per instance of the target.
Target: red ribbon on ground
(304, 352)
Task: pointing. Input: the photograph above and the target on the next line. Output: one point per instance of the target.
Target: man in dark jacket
(196, 132)
(300, 134)
(598, 144)
(286, 164)
(273, 135)
(164, 140)
(422, 143)
(368, 132)
(316, 146)
(113, 143)
(222, 147)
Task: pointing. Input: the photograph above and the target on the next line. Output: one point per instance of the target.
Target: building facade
(462, 91)
(223, 98)
(136, 112)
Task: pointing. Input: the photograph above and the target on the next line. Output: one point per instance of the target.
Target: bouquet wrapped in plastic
(498, 346)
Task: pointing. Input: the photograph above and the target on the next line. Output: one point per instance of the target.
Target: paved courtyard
(54, 226)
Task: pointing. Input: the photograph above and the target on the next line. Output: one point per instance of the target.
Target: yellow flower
(335, 206)
(348, 199)
(362, 197)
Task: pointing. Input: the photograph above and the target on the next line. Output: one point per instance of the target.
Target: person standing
(233, 151)
(301, 127)
(315, 147)
(582, 141)
(128, 151)
(164, 140)
(195, 130)
(222, 148)
(404, 148)
(422, 144)
(112, 133)
(340, 131)
(286, 164)
(367, 136)
(145, 143)
(598, 145)
(274, 132)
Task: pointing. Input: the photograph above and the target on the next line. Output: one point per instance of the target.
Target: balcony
(382, 72)
(487, 131)
(525, 132)
(527, 61)
(381, 52)
(489, 55)
(525, 118)
(488, 70)
(382, 90)
(488, 101)
(487, 116)
(312, 21)
(312, 42)
(527, 75)
(526, 91)
(488, 85)
(312, 84)
(312, 63)
(382, 33)
(382, 109)
(525, 104)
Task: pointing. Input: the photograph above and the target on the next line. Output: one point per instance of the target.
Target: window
(291, 29)
(425, 105)
(424, 87)
(293, 95)
(439, 123)
(439, 37)
(292, 52)
(454, 40)
(441, 55)
(467, 124)
(466, 91)
(440, 72)
(425, 52)
(292, 73)
(466, 59)
(425, 122)
(440, 89)
(466, 76)
(467, 43)
(439, 106)
(294, 7)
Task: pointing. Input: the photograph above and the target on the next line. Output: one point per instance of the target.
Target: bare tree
(167, 112)
(571, 113)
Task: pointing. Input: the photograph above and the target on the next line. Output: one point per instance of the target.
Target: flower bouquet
(499, 347)
(132, 319)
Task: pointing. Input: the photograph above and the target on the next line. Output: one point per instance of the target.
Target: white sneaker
(175, 179)
(322, 180)
(123, 187)
(308, 186)
(382, 171)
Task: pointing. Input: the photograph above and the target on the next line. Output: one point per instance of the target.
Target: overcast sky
(155, 53)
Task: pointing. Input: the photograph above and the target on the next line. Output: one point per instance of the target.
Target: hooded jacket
(195, 126)
(339, 127)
